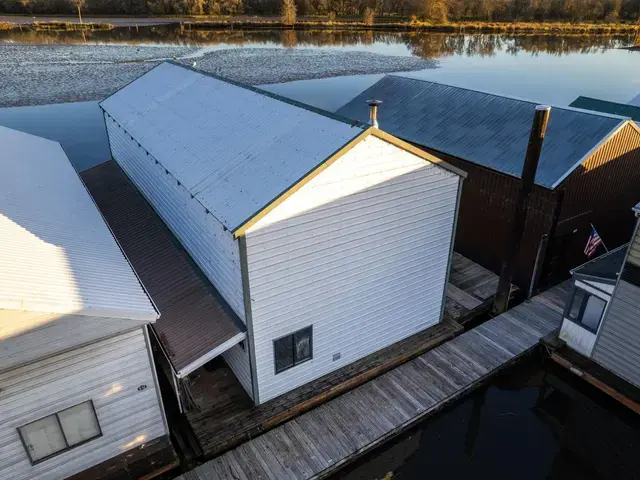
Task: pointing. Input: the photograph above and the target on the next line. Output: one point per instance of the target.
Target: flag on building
(593, 243)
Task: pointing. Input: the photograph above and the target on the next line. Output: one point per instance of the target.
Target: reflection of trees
(422, 44)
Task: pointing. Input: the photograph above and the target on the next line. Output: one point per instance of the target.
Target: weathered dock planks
(470, 290)
(319, 442)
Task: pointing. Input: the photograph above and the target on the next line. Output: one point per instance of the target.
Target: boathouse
(602, 317)
(595, 104)
(583, 178)
(78, 389)
(326, 240)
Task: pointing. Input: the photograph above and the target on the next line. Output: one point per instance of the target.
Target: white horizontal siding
(238, 361)
(360, 253)
(28, 336)
(108, 372)
(211, 246)
(56, 252)
(618, 344)
(578, 338)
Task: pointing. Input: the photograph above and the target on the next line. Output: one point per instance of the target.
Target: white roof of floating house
(235, 148)
(57, 255)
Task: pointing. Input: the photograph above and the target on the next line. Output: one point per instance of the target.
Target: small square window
(293, 349)
(586, 310)
(59, 432)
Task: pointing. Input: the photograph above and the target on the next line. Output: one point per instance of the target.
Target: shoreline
(272, 23)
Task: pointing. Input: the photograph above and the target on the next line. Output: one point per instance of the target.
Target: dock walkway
(319, 442)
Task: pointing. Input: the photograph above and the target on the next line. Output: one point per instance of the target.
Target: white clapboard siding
(211, 246)
(360, 253)
(238, 361)
(27, 336)
(109, 373)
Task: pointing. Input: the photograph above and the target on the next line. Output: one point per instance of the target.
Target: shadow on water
(422, 44)
(535, 421)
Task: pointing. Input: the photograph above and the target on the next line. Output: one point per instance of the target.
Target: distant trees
(368, 16)
(288, 12)
(434, 11)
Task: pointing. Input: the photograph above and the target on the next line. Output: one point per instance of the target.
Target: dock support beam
(538, 130)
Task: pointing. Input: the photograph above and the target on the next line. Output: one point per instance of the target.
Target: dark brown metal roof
(194, 318)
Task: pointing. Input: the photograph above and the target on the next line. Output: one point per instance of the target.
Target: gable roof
(483, 128)
(625, 110)
(236, 149)
(57, 255)
(605, 267)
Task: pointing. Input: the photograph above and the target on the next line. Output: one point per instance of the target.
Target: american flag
(593, 243)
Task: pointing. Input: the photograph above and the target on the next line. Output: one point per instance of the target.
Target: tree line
(435, 11)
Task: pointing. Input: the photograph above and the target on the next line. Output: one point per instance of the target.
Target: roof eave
(593, 150)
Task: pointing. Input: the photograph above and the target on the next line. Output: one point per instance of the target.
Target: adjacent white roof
(57, 255)
(234, 148)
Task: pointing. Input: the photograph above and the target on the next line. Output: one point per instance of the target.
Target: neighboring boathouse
(325, 241)
(602, 317)
(584, 175)
(78, 389)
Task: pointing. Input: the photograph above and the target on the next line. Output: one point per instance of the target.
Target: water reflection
(422, 44)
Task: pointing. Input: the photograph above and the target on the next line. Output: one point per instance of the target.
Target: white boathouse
(77, 383)
(329, 239)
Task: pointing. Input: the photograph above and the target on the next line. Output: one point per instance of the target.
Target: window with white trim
(586, 310)
(60, 432)
(293, 349)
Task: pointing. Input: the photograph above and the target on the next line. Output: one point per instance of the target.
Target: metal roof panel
(483, 128)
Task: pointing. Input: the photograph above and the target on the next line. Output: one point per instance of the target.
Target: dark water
(79, 127)
(536, 421)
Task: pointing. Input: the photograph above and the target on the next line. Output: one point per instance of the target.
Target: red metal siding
(602, 191)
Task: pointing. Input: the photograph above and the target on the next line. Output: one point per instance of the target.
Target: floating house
(78, 388)
(582, 178)
(327, 240)
(623, 109)
(601, 320)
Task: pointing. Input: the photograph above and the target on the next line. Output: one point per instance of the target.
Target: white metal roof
(234, 148)
(57, 254)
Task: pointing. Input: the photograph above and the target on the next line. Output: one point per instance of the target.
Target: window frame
(296, 361)
(64, 435)
(578, 319)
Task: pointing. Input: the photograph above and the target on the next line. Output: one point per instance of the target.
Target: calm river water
(534, 421)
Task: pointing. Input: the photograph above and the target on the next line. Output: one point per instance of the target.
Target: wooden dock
(470, 290)
(319, 442)
(226, 417)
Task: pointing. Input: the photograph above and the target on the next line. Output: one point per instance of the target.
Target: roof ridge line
(274, 96)
(512, 97)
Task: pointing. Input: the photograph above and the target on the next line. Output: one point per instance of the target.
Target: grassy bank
(57, 26)
(383, 23)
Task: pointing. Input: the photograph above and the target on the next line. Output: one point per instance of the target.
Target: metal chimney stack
(373, 111)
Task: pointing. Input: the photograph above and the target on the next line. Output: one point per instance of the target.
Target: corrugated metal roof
(606, 266)
(482, 128)
(234, 148)
(622, 109)
(194, 318)
(56, 253)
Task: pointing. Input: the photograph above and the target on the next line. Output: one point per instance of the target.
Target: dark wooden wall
(485, 218)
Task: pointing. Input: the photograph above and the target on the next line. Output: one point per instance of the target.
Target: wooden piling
(536, 138)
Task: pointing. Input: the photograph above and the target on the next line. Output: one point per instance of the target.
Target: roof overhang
(242, 229)
(214, 353)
